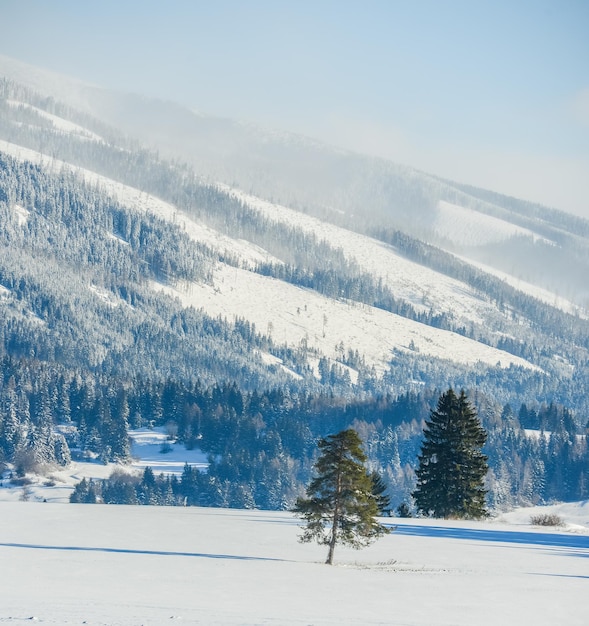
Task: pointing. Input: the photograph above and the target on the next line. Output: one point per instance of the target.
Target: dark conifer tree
(379, 488)
(340, 506)
(452, 467)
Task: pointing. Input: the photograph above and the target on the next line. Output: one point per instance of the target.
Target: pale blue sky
(493, 93)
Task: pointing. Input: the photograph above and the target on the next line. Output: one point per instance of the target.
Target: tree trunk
(331, 546)
(335, 522)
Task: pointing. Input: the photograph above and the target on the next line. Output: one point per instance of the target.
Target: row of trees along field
(344, 499)
(263, 443)
(262, 449)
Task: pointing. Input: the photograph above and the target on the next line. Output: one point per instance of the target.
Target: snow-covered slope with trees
(467, 227)
(299, 317)
(294, 316)
(261, 287)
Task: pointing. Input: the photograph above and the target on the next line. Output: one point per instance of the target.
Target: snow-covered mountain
(160, 264)
(454, 302)
(525, 241)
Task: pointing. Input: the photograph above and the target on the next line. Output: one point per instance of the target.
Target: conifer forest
(97, 337)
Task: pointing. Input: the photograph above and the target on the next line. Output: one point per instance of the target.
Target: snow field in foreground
(123, 566)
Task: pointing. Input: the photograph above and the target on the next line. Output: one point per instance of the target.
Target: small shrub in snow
(165, 448)
(546, 519)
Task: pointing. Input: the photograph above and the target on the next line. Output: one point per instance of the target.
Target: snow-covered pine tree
(452, 467)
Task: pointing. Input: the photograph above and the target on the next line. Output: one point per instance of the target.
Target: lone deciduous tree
(452, 467)
(340, 506)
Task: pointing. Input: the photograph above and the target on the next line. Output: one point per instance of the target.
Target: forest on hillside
(88, 348)
(262, 445)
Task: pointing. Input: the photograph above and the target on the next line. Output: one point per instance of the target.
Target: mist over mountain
(146, 247)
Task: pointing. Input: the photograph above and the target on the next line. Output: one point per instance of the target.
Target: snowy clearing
(22, 215)
(123, 566)
(59, 123)
(55, 484)
(467, 227)
(146, 450)
(294, 316)
(544, 295)
(424, 288)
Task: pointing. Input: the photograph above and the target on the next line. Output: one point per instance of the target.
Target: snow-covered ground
(468, 227)
(293, 315)
(544, 295)
(22, 215)
(59, 123)
(123, 566)
(146, 450)
(55, 484)
(423, 287)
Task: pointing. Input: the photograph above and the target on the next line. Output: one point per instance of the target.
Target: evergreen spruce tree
(379, 489)
(452, 467)
(340, 506)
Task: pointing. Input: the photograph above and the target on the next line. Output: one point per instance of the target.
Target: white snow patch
(229, 567)
(534, 433)
(467, 227)
(301, 317)
(119, 239)
(59, 123)
(22, 215)
(146, 450)
(270, 359)
(108, 297)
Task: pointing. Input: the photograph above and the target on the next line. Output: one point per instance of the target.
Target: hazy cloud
(555, 181)
(580, 107)
(365, 136)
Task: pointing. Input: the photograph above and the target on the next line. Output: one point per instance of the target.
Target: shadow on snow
(554, 540)
(201, 555)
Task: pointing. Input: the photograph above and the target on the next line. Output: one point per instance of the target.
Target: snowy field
(146, 450)
(112, 565)
(123, 566)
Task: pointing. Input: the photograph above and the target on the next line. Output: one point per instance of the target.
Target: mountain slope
(271, 304)
(267, 290)
(427, 307)
(542, 246)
